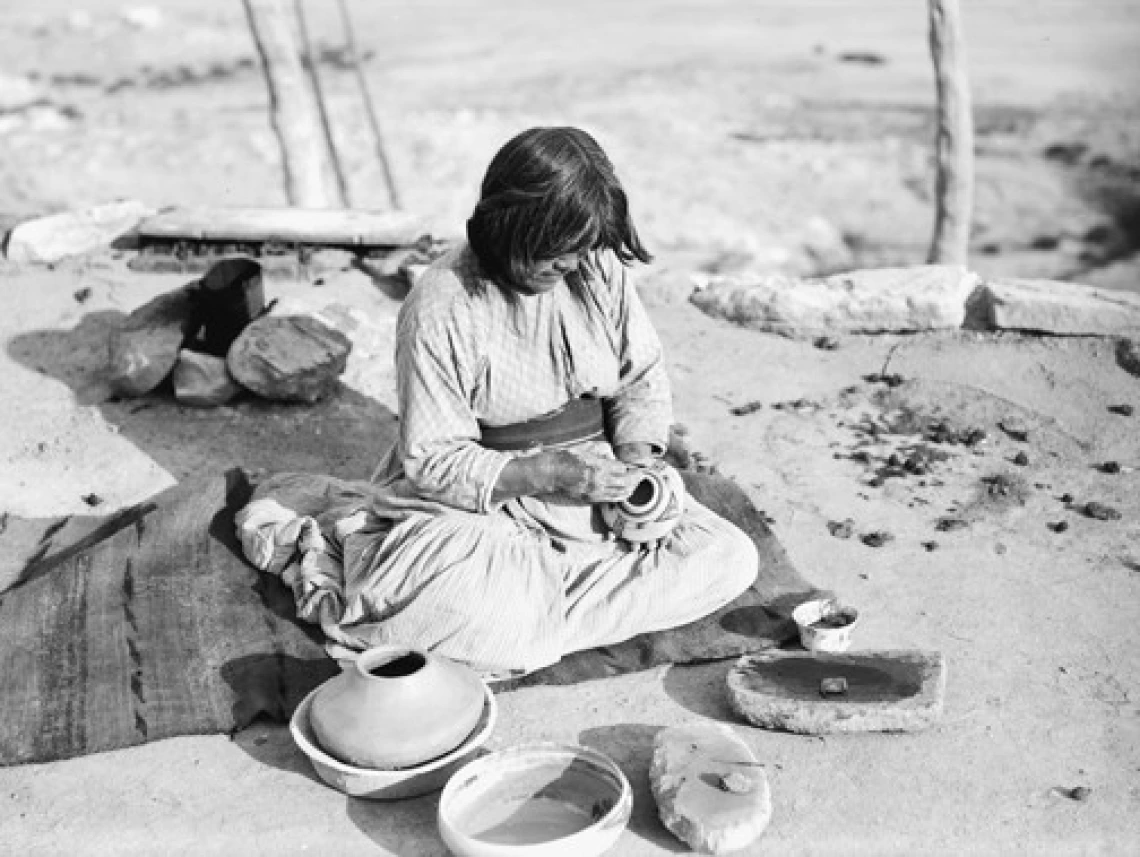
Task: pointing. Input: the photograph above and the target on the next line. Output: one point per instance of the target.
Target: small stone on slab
(887, 691)
(710, 790)
(833, 686)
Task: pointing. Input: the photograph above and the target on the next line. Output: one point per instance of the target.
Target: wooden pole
(369, 108)
(311, 61)
(954, 142)
(292, 108)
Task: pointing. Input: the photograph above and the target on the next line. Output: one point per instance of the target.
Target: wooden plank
(341, 227)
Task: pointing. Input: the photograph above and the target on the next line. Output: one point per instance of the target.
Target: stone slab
(888, 691)
(925, 297)
(1051, 306)
(45, 240)
(710, 790)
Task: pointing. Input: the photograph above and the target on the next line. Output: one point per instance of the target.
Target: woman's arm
(574, 475)
(639, 414)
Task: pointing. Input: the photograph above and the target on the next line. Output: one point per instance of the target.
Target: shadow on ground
(343, 435)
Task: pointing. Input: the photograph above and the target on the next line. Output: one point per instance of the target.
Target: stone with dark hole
(887, 691)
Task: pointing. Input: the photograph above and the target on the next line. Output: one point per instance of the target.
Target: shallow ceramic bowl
(535, 800)
(816, 639)
(390, 784)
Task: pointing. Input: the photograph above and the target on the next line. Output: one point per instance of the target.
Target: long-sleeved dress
(430, 560)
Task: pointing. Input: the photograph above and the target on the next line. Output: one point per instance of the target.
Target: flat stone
(1051, 306)
(294, 358)
(46, 240)
(926, 297)
(710, 790)
(144, 348)
(202, 380)
(887, 691)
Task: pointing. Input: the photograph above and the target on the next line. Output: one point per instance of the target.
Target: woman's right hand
(593, 478)
(575, 475)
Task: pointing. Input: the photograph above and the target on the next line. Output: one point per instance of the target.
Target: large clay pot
(396, 707)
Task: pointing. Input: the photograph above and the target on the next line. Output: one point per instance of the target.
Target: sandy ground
(1039, 628)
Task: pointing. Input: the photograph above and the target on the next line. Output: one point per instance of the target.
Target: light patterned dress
(431, 561)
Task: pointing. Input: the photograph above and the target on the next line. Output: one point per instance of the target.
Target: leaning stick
(310, 63)
(291, 107)
(369, 108)
(954, 142)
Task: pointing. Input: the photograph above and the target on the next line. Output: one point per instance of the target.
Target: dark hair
(549, 192)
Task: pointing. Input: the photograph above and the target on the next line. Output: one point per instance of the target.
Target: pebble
(1021, 459)
(930, 546)
(750, 407)
(1015, 428)
(1110, 467)
(826, 343)
(1058, 526)
(876, 539)
(1122, 410)
(841, 529)
(1080, 793)
(92, 499)
(946, 525)
(833, 686)
(1101, 512)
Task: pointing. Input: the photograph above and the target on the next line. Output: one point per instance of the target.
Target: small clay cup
(820, 631)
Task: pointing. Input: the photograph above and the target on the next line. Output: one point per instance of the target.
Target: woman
(531, 389)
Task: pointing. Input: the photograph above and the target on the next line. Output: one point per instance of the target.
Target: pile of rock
(214, 338)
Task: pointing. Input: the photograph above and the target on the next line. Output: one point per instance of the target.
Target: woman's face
(547, 274)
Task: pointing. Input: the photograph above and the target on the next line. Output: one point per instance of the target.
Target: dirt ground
(746, 141)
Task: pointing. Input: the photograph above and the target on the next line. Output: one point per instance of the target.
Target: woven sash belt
(580, 420)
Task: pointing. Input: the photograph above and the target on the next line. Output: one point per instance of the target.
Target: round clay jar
(396, 707)
(652, 510)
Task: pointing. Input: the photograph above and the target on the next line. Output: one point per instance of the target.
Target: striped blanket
(153, 625)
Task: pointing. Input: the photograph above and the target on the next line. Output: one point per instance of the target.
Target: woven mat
(152, 625)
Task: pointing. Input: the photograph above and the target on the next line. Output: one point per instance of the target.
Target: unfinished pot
(396, 707)
(652, 510)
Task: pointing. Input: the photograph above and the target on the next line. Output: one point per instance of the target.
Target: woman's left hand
(636, 454)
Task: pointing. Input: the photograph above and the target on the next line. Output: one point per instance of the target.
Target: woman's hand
(636, 454)
(575, 475)
(594, 478)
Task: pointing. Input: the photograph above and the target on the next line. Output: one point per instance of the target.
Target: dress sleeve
(439, 432)
(641, 411)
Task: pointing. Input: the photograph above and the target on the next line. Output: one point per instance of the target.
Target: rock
(746, 408)
(71, 233)
(1128, 356)
(841, 529)
(1101, 512)
(1058, 526)
(869, 301)
(1051, 306)
(876, 539)
(1121, 410)
(144, 349)
(202, 381)
(1021, 459)
(711, 793)
(887, 691)
(1015, 427)
(289, 358)
(1111, 467)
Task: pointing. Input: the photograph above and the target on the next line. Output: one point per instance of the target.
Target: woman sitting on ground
(532, 388)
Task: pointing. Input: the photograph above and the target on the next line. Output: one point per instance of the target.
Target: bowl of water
(535, 800)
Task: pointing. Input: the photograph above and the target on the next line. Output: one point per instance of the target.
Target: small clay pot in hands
(653, 509)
